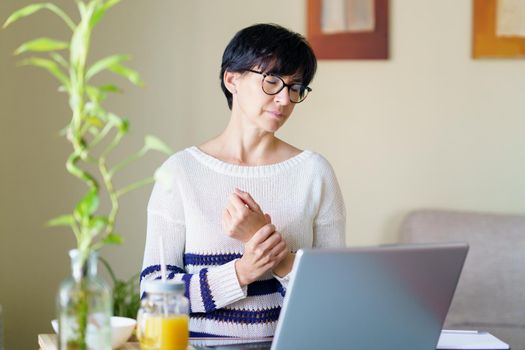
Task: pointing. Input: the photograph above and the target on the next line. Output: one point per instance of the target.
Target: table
(49, 342)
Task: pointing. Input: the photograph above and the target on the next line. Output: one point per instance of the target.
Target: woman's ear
(230, 81)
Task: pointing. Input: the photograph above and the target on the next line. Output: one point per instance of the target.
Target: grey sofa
(491, 292)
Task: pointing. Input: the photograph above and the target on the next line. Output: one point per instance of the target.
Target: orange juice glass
(163, 322)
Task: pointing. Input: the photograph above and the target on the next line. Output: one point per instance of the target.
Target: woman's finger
(247, 198)
(226, 217)
(282, 255)
(278, 249)
(262, 234)
(270, 242)
(232, 210)
(238, 203)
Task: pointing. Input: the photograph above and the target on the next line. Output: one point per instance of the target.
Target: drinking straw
(162, 261)
(163, 274)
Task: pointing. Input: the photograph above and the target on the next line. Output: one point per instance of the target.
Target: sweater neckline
(247, 170)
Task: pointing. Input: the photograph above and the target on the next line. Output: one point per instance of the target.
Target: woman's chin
(273, 127)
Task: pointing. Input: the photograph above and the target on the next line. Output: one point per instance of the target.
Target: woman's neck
(248, 146)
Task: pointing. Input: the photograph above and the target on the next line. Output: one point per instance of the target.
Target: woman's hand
(243, 216)
(265, 250)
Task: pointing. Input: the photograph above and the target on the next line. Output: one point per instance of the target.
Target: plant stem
(127, 161)
(110, 270)
(135, 185)
(82, 315)
(107, 177)
(101, 135)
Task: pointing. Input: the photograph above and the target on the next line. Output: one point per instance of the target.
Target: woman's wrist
(240, 275)
(285, 266)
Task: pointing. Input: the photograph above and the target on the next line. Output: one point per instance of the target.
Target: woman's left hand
(243, 216)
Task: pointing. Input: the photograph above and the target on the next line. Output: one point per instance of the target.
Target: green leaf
(93, 121)
(97, 224)
(110, 88)
(93, 110)
(41, 45)
(99, 94)
(59, 59)
(30, 9)
(101, 10)
(128, 73)
(87, 205)
(105, 63)
(121, 123)
(50, 66)
(113, 238)
(93, 93)
(96, 95)
(23, 12)
(63, 220)
(153, 143)
(111, 3)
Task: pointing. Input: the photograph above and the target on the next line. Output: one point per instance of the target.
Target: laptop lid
(389, 297)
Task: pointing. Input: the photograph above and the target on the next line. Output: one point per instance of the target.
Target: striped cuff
(284, 281)
(224, 285)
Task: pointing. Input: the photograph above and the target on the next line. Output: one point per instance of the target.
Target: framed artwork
(498, 29)
(348, 29)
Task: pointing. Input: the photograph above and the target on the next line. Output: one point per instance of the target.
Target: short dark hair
(271, 48)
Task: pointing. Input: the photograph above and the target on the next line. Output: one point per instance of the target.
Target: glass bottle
(162, 320)
(84, 307)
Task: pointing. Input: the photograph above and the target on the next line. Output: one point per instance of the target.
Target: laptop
(387, 297)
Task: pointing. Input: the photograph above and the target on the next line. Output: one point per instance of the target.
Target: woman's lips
(276, 114)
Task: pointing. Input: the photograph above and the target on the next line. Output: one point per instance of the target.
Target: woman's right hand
(242, 217)
(262, 253)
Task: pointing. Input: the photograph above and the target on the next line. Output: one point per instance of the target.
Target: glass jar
(162, 320)
(84, 306)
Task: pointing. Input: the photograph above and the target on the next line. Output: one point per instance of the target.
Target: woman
(238, 206)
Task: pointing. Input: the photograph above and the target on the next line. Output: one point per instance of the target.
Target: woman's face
(266, 112)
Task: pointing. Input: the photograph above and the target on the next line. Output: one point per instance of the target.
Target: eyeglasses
(273, 84)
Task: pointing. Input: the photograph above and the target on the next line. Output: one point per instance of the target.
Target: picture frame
(357, 44)
(496, 29)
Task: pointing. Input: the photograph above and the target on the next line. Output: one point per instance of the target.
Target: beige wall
(428, 128)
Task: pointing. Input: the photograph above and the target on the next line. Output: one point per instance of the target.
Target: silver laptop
(389, 297)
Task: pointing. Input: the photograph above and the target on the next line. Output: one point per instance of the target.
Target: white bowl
(121, 329)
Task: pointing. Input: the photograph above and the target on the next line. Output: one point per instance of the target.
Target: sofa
(491, 291)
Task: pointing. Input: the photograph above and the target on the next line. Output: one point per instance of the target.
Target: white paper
(469, 340)
(510, 18)
(347, 16)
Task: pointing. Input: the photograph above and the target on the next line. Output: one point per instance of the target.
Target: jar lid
(159, 286)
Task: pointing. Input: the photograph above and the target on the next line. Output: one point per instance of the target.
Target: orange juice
(165, 333)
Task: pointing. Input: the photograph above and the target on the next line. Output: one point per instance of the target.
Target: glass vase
(84, 307)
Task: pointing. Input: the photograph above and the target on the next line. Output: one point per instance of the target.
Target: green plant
(92, 131)
(126, 295)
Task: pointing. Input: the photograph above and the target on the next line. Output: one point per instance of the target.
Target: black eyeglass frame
(307, 88)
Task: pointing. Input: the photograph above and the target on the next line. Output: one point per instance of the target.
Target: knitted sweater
(301, 195)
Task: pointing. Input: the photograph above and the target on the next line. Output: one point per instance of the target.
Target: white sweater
(303, 199)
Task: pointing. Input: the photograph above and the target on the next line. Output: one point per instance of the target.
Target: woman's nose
(283, 97)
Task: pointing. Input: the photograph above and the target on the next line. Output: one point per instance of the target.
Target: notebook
(469, 340)
(389, 297)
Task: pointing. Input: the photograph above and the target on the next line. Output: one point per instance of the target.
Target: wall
(428, 128)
